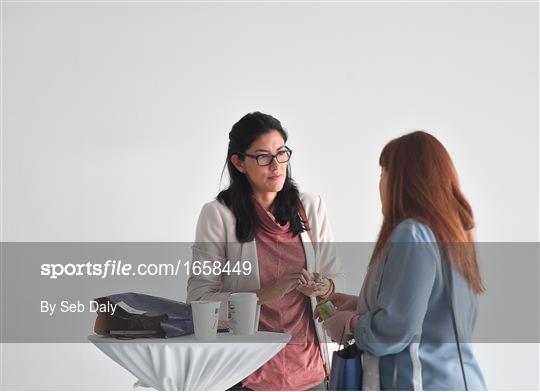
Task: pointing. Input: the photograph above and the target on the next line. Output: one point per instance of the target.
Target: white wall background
(115, 119)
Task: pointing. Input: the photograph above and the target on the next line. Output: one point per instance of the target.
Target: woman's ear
(238, 163)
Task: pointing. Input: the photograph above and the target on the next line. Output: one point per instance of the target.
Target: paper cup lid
(243, 296)
(205, 302)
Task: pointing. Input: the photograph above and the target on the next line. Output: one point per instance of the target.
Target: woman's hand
(344, 301)
(337, 326)
(316, 286)
(284, 285)
(289, 281)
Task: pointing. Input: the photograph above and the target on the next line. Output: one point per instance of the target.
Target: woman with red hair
(416, 311)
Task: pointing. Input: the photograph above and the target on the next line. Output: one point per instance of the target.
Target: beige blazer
(216, 240)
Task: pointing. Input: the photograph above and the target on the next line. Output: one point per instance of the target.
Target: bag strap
(454, 324)
(341, 338)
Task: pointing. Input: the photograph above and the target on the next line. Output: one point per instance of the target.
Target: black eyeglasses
(266, 159)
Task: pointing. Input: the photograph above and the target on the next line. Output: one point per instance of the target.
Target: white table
(188, 364)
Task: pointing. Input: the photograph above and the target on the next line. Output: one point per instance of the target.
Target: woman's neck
(265, 199)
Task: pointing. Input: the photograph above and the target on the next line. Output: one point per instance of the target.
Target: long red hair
(422, 184)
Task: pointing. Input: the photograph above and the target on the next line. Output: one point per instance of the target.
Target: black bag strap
(454, 324)
(341, 338)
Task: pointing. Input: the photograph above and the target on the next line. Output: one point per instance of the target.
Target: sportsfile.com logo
(118, 268)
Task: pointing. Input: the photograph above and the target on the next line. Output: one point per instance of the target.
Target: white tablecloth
(188, 364)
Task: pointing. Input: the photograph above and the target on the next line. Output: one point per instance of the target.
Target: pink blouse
(299, 365)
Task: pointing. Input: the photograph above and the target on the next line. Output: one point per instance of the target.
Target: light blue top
(409, 325)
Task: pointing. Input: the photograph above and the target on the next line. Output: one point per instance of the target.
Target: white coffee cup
(205, 319)
(243, 310)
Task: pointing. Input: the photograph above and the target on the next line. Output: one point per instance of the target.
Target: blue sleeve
(404, 292)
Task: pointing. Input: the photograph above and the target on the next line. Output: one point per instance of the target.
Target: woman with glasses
(416, 311)
(285, 235)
